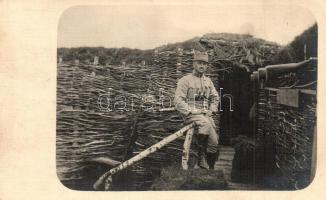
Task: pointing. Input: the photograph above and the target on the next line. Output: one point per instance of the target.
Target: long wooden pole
(108, 175)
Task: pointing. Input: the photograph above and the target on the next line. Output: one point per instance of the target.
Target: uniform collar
(193, 74)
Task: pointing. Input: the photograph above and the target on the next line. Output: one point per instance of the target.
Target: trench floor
(224, 163)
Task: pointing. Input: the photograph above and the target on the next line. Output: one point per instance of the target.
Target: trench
(234, 121)
(265, 139)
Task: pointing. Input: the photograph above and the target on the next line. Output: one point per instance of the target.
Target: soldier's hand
(196, 112)
(209, 113)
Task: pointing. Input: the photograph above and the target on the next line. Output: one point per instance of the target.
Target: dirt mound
(174, 178)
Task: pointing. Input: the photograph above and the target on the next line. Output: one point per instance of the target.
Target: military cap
(201, 56)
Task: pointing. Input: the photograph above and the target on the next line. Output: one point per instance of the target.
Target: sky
(146, 27)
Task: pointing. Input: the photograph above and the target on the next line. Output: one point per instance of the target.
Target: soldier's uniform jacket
(195, 93)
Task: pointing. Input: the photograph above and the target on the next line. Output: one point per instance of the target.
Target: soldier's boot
(212, 158)
(202, 145)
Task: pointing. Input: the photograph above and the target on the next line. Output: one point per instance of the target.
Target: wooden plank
(288, 97)
(310, 92)
(271, 89)
(104, 160)
(224, 162)
(304, 91)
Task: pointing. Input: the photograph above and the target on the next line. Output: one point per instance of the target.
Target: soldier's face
(200, 66)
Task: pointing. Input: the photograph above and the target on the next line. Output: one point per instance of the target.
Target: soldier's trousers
(206, 126)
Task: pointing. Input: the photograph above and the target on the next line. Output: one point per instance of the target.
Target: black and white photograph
(186, 97)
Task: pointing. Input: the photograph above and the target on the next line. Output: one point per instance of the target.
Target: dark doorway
(236, 101)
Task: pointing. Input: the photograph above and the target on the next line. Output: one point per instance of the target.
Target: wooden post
(123, 64)
(143, 63)
(186, 149)
(96, 59)
(179, 51)
(60, 60)
(179, 65)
